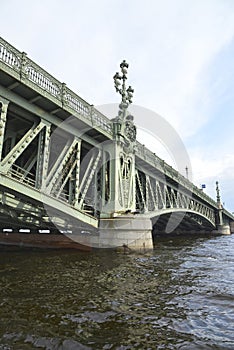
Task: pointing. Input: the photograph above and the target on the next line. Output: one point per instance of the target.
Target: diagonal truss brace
(87, 178)
(67, 176)
(140, 188)
(57, 171)
(19, 148)
(3, 116)
(43, 156)
(150, 193)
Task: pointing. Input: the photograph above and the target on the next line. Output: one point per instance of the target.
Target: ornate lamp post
(220, 216)
(186, 170)
(126, 94)
(121, 153)
(218, 195)
(126, 99)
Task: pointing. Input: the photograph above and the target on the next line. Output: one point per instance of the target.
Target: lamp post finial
(120, 86)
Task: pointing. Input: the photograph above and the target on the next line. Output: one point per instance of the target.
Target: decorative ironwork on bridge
(63, 161)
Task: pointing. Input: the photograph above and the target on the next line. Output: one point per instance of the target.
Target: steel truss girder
(56, 173)
(87, 178)
(156, 195)
(46, 116)
(64, 172)
(19, 148)
(43, 156)
(21, 211)
(3, 116)
(21, 191)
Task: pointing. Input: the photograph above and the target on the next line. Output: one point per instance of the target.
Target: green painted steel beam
(49, 201)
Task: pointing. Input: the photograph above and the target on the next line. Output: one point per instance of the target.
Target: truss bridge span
(67, 170)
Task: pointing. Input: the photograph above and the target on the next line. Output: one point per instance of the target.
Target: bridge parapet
(18, 65)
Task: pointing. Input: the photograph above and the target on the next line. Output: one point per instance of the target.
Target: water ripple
(179, 297)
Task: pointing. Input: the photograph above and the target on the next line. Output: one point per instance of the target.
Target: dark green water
(181, 296)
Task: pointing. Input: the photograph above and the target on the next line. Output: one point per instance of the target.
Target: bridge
(68, 170)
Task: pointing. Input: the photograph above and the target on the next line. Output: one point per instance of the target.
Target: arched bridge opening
(172, 208)
(179, 222)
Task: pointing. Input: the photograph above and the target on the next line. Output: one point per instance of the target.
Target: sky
(180, 55)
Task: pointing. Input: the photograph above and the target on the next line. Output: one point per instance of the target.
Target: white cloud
(168, 44)
(177, 87)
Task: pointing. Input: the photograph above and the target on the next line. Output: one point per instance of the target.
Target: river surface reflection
(180, 296)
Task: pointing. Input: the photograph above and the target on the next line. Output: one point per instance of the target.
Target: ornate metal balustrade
(25, 70)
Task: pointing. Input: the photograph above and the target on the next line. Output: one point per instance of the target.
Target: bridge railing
(22, 175)
(18, 64)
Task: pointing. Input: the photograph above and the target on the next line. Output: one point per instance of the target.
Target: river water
(180, 296)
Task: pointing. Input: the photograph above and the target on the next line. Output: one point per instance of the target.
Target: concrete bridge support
(232, 226)
(130, 231)
(223, 229)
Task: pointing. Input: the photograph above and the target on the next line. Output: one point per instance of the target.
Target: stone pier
(223, 229)
(131, 231)
(232, 226)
